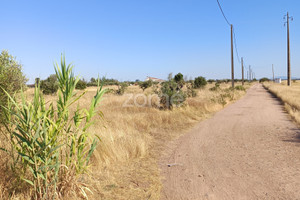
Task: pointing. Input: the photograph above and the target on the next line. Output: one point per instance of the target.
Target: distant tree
(93, 80)
(145, 84)
(170, 95)
(200, 82)
(178, 78)
(81, 84)
(121, 88)
(264, 79)
(50, 85)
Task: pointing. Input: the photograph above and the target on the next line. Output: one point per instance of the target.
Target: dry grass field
(290, 96)
(132, 139)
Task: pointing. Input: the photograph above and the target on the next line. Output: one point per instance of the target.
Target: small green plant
(200, 82)
(48, 142)
(146, 84)
(50, 85)
(81, 85)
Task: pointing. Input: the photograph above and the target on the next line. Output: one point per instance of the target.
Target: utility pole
(249, 72)
(288, 49)
(248, 75)
(242, 72)
(273, 73)
(232, 65)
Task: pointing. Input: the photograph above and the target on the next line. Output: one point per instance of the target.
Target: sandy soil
(249, 150)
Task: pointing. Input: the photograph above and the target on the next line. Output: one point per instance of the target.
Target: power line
(235, 45)
(236, 50)
(223, 13)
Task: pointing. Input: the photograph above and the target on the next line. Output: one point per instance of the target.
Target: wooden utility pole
(249, 72)
(248, 75)
(242, 72)
(288, 51)
(273, 73)
(232, 65)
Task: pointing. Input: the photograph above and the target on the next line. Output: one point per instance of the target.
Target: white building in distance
(154, 79)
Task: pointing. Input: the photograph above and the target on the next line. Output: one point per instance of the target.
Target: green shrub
(178, 78)
(146, 84)
(12, 78)
(200, 82)
(49, 143)
(103, 80)
(121, 88)
(81, 85)
(50, 85)
(263, 80)
(240, 87)
(171, 94)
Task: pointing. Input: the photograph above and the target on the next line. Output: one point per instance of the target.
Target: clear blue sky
(132, 39)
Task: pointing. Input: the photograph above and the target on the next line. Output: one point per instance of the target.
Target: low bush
(145, 84)
(171, 95)
(240, 87)
(121, 88)
(81, 85)
(50, 85)
(200, 82)
(263, 80)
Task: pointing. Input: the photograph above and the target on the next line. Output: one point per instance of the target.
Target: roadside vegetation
(62, 145)
(12, 78)
(289, 95)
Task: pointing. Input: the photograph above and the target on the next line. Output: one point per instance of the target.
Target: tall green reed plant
(48, 141)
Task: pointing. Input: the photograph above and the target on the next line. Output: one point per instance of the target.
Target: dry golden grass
(132, 139)
(290, 96)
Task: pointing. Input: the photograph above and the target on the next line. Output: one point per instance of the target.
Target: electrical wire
(236, 50)
(223, 13)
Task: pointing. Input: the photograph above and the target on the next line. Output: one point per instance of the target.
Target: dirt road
(249, 150)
